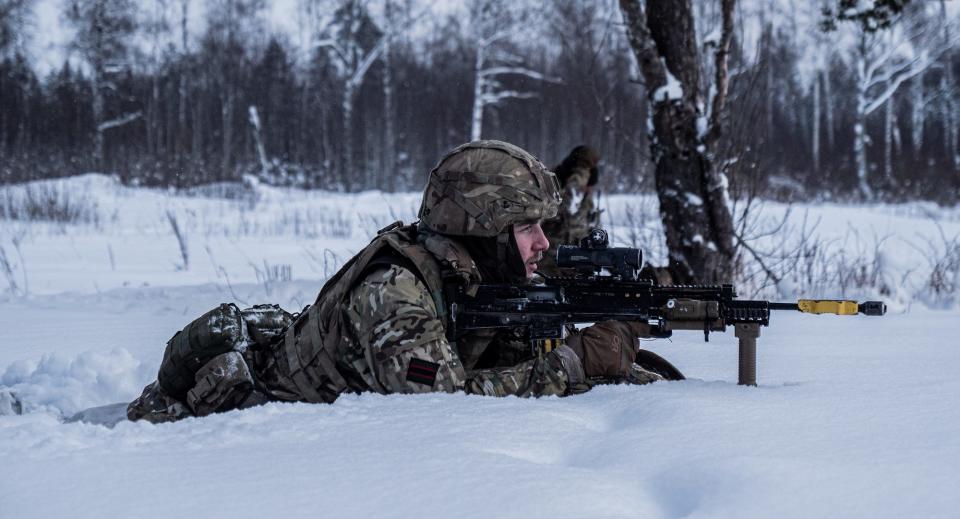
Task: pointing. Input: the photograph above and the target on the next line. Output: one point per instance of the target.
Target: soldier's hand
(608, 349)
(639, 329)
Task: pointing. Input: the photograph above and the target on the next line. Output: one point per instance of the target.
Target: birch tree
(819, 81)
(389, 155)
(493, 25)
(104, 29)
(181, 138)
(948, 89)
(918, 112)
(694, 202)
(355, 43)
(890, 51)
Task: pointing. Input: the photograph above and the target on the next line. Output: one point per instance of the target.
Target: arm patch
(422, 372)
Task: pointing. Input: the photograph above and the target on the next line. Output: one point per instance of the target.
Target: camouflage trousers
(207, 366)
(222, 384)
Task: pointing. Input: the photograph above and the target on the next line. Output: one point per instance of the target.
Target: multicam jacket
(380, 324)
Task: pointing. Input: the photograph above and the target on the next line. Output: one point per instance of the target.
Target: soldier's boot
(222, 384)
(155, 406)
(637, 374)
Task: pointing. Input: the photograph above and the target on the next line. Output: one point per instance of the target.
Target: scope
(594, 254)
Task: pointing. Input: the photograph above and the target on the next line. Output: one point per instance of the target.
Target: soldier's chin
(531, 268)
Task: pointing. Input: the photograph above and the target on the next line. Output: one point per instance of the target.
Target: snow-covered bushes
(12, 271)
(263, 236)
(943, 259)
(48, 202)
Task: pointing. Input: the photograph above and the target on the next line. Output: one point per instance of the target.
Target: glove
(608, 349)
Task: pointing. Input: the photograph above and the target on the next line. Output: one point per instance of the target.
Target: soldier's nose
(540, 243)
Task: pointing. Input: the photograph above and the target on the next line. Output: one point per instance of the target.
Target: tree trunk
(154, 139)
(96, 80)
(951, 121)
(327, 149)
(770, 88)
(226, 118)
(181, 133)
(692, 194)
(828, 105)
(918, 116)
(198, 155)
(388, 166)
(476, 118)
(347, 171)
(860, 124)
(888, 142)
(951, 110)
(254, 117)
(815, 120)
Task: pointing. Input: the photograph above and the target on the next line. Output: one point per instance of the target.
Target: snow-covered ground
(853, 417)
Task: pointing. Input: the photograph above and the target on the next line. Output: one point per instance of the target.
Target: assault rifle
(605, 285)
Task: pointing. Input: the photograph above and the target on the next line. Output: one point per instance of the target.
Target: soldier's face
(532, 242)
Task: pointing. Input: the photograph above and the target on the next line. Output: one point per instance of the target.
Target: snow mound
(62, 384)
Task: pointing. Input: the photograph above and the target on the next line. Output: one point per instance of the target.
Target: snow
(853, 416)
(693, 199)
(671, 90)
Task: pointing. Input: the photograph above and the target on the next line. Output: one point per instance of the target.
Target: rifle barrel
(833, 306)
(784, 306)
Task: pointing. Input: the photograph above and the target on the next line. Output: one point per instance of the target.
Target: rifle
(605, 285)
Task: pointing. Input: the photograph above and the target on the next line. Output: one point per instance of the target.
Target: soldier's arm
(575, 193)
(397, 328)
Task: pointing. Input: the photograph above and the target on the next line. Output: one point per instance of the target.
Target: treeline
(370, 104)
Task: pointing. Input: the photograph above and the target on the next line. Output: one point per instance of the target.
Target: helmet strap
(509, 257)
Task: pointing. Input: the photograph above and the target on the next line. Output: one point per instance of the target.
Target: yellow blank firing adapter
(841, 307)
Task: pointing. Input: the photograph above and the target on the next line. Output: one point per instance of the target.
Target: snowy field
(853, 416)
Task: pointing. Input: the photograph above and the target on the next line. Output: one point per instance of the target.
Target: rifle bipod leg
(747, 333)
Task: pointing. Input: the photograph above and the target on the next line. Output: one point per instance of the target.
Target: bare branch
(368, 60)
(332, 44)
(119, 121)
(523, 71)
(493, 38)
(495, 97)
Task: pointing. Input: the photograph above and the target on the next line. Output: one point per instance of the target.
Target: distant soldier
(380, 324)
(578, 174)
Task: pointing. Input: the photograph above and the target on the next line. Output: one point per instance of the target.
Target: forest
(352, 95)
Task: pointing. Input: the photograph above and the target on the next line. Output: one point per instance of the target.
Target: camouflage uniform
(578, 212)
(380, 323)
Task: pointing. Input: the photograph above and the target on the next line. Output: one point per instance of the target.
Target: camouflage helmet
(481, 188)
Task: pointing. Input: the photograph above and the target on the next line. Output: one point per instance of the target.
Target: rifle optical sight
(593, 255)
